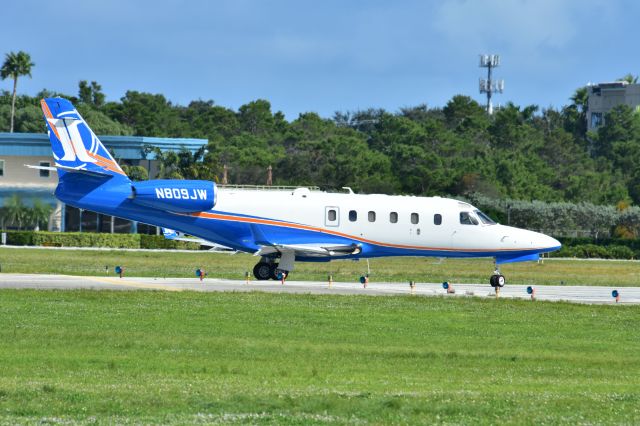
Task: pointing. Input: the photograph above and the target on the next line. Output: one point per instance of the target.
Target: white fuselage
(402, 222)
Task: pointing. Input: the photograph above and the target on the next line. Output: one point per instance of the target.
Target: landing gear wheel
(262, 271)
(497, 280)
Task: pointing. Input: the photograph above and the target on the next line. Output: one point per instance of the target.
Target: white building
(604, 96)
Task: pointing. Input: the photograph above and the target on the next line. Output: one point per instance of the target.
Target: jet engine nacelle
(180, 196)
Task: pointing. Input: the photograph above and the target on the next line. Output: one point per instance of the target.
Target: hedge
(160, 242)
(91, 239)
(592, 251)
(604, 248)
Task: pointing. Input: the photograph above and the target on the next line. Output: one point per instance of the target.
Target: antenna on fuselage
(348, 189)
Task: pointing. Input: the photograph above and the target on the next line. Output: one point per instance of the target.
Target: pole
(489, 88)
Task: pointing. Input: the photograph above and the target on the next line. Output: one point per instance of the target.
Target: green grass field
(179, 264)
(104, 357)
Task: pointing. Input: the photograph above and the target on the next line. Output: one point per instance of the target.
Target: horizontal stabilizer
(50, 168)
(95, 172)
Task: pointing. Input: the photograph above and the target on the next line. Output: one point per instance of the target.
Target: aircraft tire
(497, 280)
(262, 271)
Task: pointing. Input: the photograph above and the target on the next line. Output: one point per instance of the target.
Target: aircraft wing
(170, 234)
(309, 250)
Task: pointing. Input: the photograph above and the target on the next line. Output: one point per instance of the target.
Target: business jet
(279, 226)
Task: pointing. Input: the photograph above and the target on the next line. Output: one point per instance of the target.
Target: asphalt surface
(577, 294)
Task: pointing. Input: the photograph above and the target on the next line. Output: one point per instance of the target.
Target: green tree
(463, 113)
(15, 212)
(629, 78)
(91, 94)
(147, 115)
(15, 65)
(135, 173)
(621, 124)
(100, 123)
(38, 215)
(184, 164)
(575, 114)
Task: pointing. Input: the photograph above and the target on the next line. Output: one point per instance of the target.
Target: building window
(353, 215)
(437, 219)
(1, 167)
(44, 173)
(372, 216)
(596, 119)
(393, 217)
(415, 218)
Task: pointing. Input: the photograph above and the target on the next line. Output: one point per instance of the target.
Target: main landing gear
(267, 269)
(497, 280)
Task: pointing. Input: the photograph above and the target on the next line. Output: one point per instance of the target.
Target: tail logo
(72, 141)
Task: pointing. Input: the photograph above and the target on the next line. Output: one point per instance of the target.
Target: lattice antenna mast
(489, 85)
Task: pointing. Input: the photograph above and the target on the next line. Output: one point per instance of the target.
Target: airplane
(280, 227)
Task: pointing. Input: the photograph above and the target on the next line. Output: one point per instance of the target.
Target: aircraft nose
(548, 243)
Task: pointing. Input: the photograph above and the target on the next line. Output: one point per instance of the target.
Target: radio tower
(489, 85)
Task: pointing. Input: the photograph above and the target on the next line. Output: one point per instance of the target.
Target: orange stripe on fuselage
(339, 234)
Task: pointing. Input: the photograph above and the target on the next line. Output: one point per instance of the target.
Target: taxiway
(577, 294)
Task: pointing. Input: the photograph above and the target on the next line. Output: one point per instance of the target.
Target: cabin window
(44, 173)
(437, 219)
(467, 219)
(372, 216)
(415, 218)
(331, 216)
(353, 215)
(393, 217)
(1, 167)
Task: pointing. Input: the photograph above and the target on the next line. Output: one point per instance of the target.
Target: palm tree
(580, 100)
(629, 78)
(14, 66)
(15, 211)
(39, 214)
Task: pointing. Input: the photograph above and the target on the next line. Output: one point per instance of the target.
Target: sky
(323, 56)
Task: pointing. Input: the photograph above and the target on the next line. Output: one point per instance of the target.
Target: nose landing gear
(497, 280)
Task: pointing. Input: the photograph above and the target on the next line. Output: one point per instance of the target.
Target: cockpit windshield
(467, 218)
(484, 218)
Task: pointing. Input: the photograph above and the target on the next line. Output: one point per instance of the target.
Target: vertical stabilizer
(73, 143)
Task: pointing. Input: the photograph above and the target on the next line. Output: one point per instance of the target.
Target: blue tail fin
(75, 147)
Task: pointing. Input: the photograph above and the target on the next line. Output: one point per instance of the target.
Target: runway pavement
(578, 294)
